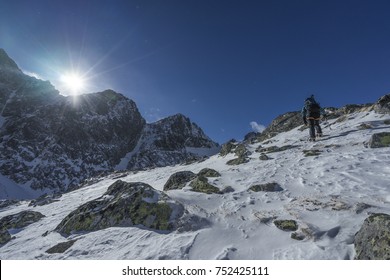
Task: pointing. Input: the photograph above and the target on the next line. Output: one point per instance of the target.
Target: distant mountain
(51, 142)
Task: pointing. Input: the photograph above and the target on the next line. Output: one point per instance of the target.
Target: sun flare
(74, 82)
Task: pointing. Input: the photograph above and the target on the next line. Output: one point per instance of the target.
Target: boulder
(208, 172)
(372, 241)
(179, 180)
(124, 205)
(264, 157)
(379, 140)
(237, 161)
(286, 225)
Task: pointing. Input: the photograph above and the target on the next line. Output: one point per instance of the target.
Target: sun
(73, 82)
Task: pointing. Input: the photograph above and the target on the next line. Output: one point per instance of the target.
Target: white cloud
(257, 127)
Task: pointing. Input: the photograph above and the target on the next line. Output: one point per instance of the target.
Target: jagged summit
(7, 63)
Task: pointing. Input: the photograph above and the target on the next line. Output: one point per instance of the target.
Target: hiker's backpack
(313, 109)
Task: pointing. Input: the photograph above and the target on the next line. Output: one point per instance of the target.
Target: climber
(313, 112)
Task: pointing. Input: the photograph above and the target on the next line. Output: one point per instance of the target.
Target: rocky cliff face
(49, 141)
(175, 140)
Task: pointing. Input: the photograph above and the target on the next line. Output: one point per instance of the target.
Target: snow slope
(323, 193)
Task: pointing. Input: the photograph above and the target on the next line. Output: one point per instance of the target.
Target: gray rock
(227, 189)
(264, 157)
(61, 247)
(379, 140)
(238, 161)
(179, 180)
(269, 187)
(372, 241)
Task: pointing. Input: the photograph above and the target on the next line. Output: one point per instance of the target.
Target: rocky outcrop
(280, 124)
(228, 147)
(383, 105)
(372, 241)
(170, 141)
(20, 220)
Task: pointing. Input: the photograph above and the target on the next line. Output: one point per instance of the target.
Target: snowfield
(329, 195)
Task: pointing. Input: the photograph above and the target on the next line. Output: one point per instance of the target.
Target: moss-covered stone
(61, 247)
(380, 140)
(179, 180)
(208, 172)
(201, 184)
(286, 225)
(20, 220)
(372, 241)
(124, 204)
(269, 187)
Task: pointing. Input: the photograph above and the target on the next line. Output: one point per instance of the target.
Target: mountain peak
(6, 62)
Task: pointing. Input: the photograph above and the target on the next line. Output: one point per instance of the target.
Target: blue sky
(224, 64)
